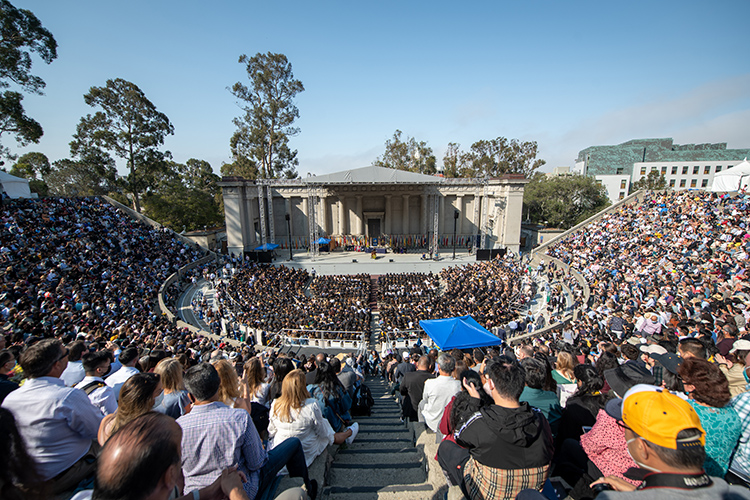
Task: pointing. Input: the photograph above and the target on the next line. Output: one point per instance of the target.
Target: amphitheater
(389, 458)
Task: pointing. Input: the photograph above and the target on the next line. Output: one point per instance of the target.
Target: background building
(685, 166)
(374, 205)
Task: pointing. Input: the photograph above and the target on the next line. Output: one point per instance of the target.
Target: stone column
(460, 208)
(405, 226)
(441, 217)
(291, 219)
(387, 216)
(306, 211)
(342, 211)
(360, 217)
(324, 213)
(425, 211)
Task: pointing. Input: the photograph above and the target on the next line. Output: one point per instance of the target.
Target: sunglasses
(63, 355)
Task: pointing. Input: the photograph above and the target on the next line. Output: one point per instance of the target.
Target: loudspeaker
(354, 260)
(390, 260)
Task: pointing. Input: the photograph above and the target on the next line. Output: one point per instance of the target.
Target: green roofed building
(684, 166)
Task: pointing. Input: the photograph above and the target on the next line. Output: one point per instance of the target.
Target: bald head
(141, 460)
(424, 363)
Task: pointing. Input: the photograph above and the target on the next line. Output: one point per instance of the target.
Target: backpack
(362, 401)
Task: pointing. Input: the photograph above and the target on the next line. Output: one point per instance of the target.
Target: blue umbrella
(462, 333)
(322, 241)
(266, 247)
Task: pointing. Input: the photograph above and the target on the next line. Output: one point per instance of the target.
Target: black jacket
(508, 438)
(413, 385)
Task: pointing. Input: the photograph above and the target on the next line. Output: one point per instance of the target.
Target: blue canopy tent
(458, 333)
(266, 247)
(322, 241)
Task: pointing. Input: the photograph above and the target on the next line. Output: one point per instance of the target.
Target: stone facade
(398, 208)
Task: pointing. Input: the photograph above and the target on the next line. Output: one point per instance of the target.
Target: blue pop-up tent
(266, 247)
(458, 333)
(322, 241)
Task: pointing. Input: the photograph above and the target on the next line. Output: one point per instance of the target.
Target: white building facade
(374, 206)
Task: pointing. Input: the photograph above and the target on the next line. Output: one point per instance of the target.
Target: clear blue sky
(568, 74)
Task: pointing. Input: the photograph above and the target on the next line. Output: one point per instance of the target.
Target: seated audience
(58, 423)
(510, 443)
(175, 402)
(439, 391)
(295, 414)
(229, 437)
(139, 394)
(709, 395)
(96, 365)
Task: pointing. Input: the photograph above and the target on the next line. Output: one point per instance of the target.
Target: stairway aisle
(374, 340)
(383, 462)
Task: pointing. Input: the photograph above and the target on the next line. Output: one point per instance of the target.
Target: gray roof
(373, 175)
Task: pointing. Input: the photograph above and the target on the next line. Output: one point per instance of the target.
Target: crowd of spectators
(81, 267)
(276, 298)
(492, 292)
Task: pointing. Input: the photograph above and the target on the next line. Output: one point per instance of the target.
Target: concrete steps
(383, 462)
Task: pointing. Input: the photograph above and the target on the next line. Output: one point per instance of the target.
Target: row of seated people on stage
(491, 292)
(273, 299)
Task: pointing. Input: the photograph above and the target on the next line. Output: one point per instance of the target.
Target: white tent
(16, 187)
(732, 179)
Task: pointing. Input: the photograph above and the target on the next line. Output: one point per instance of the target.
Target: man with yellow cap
(665, 439)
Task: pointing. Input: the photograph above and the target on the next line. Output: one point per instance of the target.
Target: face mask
(159, 399)
(639, 464)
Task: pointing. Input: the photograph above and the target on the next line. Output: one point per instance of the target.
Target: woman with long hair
(281, 367)
(176, 401)
(229, 389)
(708, 392)
(139, 394)
(296, 414)
(584, 404)
(563, 372)
(253, 385)
(333, 398)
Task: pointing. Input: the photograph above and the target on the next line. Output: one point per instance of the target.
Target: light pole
(455, 221)
(289, 232)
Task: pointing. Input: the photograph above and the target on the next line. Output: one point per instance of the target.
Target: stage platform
(341, 262)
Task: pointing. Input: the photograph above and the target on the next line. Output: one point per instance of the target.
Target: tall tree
(242, 166)
(21, 33)
(130, 126)
(185, 196)
(654, 181)
(263, 131)
(563, 201)
(408, 154)
(34, 167)
(455, 161)
(77, 178)
(500, 156)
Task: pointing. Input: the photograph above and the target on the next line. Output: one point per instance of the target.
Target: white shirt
(308, 425)
(117, 379)
(437, 394)
(57, 423)
(102, 397)
(73, 374)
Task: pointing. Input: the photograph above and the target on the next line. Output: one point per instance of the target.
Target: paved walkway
(340, 262)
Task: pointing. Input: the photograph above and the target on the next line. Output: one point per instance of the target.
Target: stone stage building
(374, 206)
